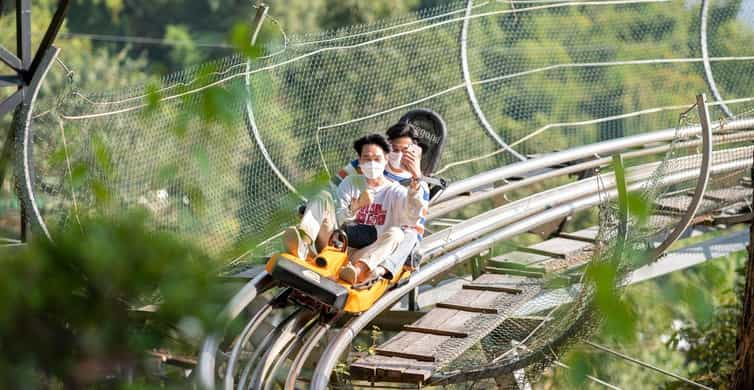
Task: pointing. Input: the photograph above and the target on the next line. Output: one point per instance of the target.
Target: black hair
(400, 130)
(371, 139)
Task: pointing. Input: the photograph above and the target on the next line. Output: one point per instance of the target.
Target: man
(404, 162)
(369, 200)
(374, 200)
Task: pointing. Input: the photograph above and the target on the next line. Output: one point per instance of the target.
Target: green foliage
(66, 307)
(185, 50)
(710, 341)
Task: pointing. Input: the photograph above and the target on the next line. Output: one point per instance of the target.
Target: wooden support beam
(541, 252)
(472, 309)
(571, 236)
(514, 272)
(395, 320)
(491, 287)
(435, 331)
(519, 266)
(405, 355)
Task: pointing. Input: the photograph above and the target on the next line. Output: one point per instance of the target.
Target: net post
(708, 77)
(463, 38)
(701, 185)
(622, 188)
(256, 24)
(413, 300)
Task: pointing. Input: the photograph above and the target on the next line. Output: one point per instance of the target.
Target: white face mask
(394, 158)
(373, 169)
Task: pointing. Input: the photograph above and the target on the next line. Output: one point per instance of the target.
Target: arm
(343, 201)
(349, 200)
(352, 168)
(415, 200)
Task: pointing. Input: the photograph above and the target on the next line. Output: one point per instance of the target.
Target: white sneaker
(349, 273)
(294, 243)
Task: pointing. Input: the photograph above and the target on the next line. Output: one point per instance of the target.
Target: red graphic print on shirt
(371, 215)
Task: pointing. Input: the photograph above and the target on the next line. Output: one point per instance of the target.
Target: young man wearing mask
(404, 162)
(374, 200)
(369, 201)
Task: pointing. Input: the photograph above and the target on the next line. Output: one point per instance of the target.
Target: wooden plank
(476, 298)
(410, 356)
(448, 319)
(491, 287)
(501, 280)
(520, 257)
(562, 265)
(435, 331)
(406, 355)
(728, 195)
(515, 272)
(680, 203)
(416, 345)
(472, 309)
(676, 204)
(412, 345)
(523, 267)
(559, 247)
(587, 235)
(394, 320)
(391, 369)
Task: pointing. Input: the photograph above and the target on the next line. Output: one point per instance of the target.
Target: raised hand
(412, 160)
(364, 200)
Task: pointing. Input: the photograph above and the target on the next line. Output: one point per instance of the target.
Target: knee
(395, 233)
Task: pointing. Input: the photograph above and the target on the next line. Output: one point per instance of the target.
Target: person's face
(371, 153)
(401, 144)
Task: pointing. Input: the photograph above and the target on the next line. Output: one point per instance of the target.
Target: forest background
(677, 315)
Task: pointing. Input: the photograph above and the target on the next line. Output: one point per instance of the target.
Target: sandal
(349, 273)
(373, 278)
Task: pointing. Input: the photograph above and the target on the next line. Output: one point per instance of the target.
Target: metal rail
(580, 152)
(206, 366)
(243, 338)
(438, 266)
(24, 139)
(501, 223)
(523, 208)
(470, 86)
(708, 78)
(460, 202)
(280, 348)
(306, 349)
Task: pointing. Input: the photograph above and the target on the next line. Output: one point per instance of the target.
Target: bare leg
(371, 257)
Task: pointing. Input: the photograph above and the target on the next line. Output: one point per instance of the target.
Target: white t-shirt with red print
(392, 204)
(352, 169)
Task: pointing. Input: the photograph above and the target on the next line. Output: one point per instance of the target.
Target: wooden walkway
(511, 280)
(456, 324)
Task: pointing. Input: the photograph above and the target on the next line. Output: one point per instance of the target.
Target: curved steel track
(295, 340)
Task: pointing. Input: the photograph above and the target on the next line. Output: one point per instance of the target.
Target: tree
(67, 308)
(743, 375)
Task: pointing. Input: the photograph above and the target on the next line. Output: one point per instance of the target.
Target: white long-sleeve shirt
(392, 204)
(352, 169)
